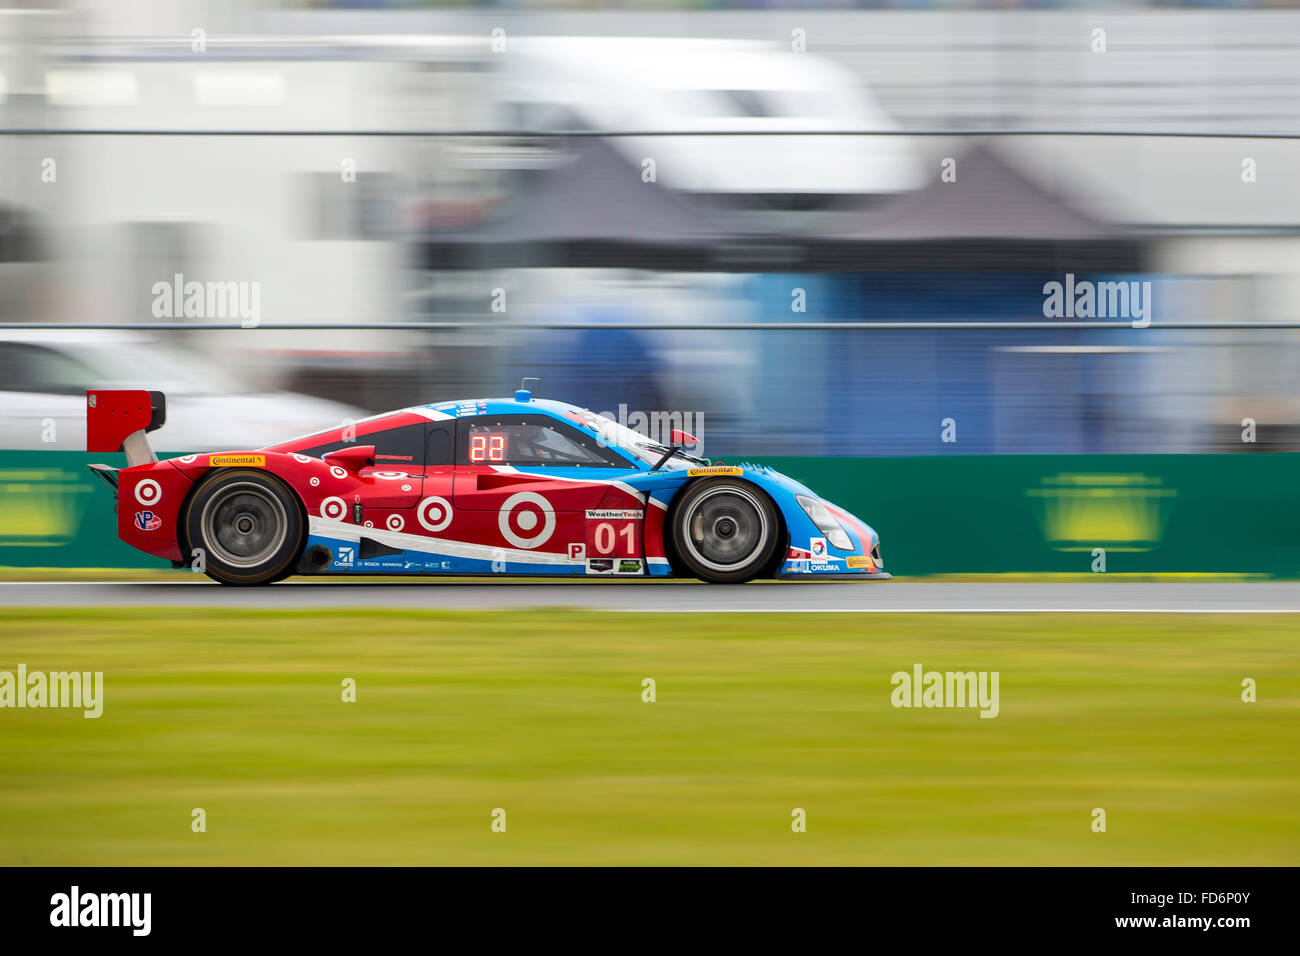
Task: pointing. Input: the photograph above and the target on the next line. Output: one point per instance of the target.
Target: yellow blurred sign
(39, 507)
(1119, 512)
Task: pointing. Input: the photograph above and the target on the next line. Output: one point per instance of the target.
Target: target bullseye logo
(434, 513)
(338, 472)
(516, 511)
(333, 507)
(148, 492)
(395, 522)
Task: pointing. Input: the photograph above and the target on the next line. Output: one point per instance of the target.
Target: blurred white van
(739, 87)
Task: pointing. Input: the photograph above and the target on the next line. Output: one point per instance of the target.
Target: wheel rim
(244, 525)
(725, 528)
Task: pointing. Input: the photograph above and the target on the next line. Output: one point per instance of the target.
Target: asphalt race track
(670, 596)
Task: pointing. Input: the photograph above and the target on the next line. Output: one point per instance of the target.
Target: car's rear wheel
(249, 525)
(724, 531)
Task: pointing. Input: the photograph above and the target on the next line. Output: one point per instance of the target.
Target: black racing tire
(248, 523)
(724, 531)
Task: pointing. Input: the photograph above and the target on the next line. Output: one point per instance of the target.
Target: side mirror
(680, 437)
(353, 458)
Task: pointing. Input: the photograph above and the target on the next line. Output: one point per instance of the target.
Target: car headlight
(825, 522)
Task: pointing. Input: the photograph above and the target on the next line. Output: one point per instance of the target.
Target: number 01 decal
(614, 534)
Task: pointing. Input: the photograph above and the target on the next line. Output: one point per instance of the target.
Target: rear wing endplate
(119, 419)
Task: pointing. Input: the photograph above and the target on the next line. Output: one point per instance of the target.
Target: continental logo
(861, 561)
(237, 461)
(713, 470)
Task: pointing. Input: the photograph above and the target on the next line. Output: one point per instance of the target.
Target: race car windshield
(635, 443)
(672, 451)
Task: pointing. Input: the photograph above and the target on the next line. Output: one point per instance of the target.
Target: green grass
(540, 713)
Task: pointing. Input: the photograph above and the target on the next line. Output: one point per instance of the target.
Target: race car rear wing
(120, 420)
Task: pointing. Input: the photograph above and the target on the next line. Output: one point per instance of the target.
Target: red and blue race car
(520, 486)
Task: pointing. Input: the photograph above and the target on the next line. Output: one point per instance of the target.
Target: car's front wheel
(248, 524)
(724, 531)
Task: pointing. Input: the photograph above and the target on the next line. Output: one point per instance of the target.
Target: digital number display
(487, 447)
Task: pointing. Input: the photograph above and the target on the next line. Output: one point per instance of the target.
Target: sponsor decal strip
(614, 566)
(440, 547)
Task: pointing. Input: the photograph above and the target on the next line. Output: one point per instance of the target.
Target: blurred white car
(44, 376)
(760, 91)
